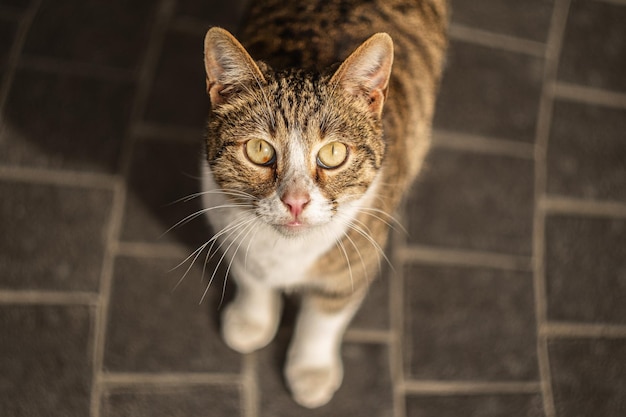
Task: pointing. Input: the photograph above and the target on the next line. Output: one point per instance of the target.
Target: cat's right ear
(227, 65)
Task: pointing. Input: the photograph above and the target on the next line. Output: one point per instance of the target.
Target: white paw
(245, 333)
(313, 387)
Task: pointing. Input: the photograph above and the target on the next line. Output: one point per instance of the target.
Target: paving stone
(194, 401)
(8, 29)
(161, 174)
(473, 201)
(489, 92)
(586, 269)
(493, 405)
(45, 365)
(588, 377)
(366, 371)
(216, 13)
(65, 121)
(103, 32)
(16, 4)
(54, 236)
(153, 327)
(471, 324)
(374, 312)
(594, 45)
(587, 152)
(529, 20)
(178, 95)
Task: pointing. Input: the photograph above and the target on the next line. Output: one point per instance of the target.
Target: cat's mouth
(293, 228)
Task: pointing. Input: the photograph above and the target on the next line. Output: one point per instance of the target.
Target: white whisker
(199, 213)
(345, 254)
(219, 262)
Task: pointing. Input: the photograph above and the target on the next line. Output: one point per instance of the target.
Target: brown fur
(316, 35)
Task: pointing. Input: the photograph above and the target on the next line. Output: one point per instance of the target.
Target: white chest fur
(257, 251)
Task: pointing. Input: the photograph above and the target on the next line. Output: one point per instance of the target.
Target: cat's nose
(295, 202)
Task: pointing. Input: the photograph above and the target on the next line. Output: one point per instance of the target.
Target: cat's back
(319, 33)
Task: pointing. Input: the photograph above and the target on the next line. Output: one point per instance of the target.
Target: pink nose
(296, 202)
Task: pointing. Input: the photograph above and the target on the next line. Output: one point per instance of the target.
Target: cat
(303, 170)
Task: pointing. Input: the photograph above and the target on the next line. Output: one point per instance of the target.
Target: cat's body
(299, 163)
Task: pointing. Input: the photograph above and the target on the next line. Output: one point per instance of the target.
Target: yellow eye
(332, 155)
(260, 152)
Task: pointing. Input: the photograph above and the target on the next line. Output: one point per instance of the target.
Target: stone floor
(507, 297)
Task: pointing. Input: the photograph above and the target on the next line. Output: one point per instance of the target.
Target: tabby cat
(303, 170)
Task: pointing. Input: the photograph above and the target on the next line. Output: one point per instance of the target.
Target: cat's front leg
(250, 321)
(314, 369)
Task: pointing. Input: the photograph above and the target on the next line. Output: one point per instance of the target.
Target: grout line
(424, 254)
(595, 208)
(582, 330)
(396, 319)
(250, 387)
(106, 281)
(496, 40)
(591, 95)
(60, 66)
(555, 38)
(149, 250)
(148, 64)
(14, 54)
(57, 177)
(44, 297)
(147, 130)
(146, 77)
(368, 336)
(465, 142)
(470, 387)
(126, 379)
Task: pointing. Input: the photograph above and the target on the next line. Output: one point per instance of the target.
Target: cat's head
(298, 148)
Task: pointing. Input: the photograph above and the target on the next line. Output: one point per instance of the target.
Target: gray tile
(63, 121)
(473, 201)
(54, 237)
(489, 92)
(101, 32)
(529, 19)
(8, 29)
(594, 45)
(16, 4)
(494, 405)
(366, 371)
(161, 174)
(587, 152)
(469, 324)
(196, 401)
(155, 328)
(586, 269)
(374, 312)
(45, 365)
(178, 94)
(216, 13)
(588, 377)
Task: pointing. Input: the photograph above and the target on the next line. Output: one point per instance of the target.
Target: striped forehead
(299, 98)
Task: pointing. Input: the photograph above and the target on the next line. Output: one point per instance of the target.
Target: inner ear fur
(365, 73)
(227, 64)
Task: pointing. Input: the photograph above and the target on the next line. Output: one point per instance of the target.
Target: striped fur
(297, 97)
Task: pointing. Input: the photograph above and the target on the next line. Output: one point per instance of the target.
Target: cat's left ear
(227, 64)
(365, 73)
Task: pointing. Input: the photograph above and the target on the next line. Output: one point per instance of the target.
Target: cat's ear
(365, 73)
(227, 65)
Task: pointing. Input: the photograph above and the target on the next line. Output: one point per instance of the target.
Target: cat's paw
(313, 387)
(244, 333)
